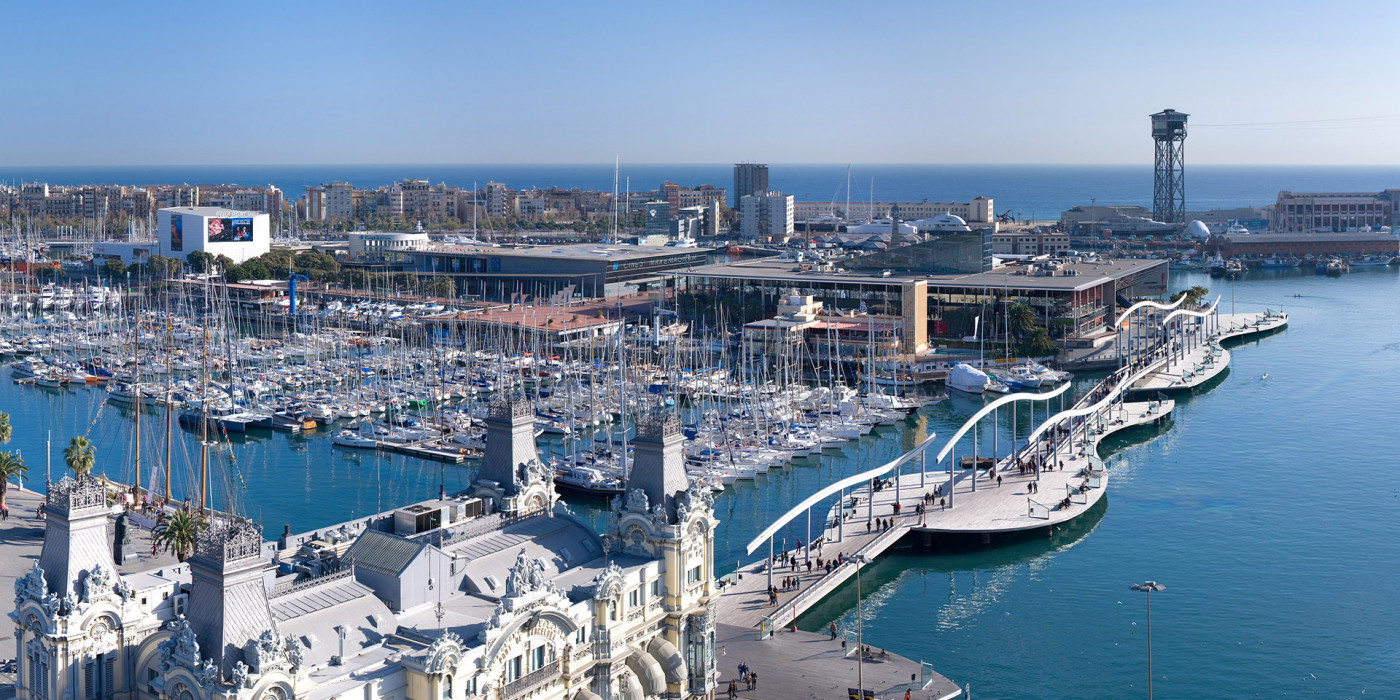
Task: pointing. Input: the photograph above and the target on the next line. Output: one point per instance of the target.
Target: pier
(1054, 477)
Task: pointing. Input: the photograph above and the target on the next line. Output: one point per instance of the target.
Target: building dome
(1196, 229)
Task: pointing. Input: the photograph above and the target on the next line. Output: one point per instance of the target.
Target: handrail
(811, 500)
(1188, 312)
(1108, 399)
(1165, 307)
(1009, 398)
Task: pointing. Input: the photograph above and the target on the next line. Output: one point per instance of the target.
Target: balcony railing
(531, 680)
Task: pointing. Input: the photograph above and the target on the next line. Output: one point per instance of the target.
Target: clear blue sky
(126, 83)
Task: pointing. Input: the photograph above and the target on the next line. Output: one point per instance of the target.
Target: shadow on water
(951, 554)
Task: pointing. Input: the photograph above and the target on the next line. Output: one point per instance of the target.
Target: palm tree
(1020, 318)
(79, 455)
(11, 467)
(5, 428)
(177, 532)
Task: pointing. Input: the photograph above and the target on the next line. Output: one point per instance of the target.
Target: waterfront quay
(1053, 479)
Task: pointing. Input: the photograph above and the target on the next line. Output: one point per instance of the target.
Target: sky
(248, 82)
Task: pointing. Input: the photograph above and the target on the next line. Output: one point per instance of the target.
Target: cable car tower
(1169, 171)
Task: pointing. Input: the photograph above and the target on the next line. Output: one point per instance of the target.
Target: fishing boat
(1370, 261)
(1275, 262)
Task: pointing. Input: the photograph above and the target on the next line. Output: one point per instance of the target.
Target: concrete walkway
(808, 665)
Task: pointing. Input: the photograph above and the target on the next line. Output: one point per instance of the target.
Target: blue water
(1039, 191)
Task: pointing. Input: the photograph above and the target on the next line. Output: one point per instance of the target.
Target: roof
(580, 251)
(304, 601)
(220, 212)
(382, 552)
(1088, 275)
(1349, 237)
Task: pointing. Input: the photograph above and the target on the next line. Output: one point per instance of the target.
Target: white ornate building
(503, 594)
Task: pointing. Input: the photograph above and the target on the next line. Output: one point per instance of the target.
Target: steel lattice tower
(1169, 171)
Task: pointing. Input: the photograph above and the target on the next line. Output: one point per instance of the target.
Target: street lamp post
(860, 561)
(1145, 588)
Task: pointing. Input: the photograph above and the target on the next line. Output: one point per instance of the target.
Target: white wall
(196, 227)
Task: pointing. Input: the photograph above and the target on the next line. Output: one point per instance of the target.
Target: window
(634, 597)
(537, 658)
(693, 576)
(513, 669)
(447, 686)
(656, 588)
(581, 635)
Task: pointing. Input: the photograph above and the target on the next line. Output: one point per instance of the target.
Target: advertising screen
(230, 230)
(177, 233)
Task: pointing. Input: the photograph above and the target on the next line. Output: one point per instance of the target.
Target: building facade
(236, 234)
(766, 216)
(750, 179)
(497, 592)
(977, 211)
(1329, 212)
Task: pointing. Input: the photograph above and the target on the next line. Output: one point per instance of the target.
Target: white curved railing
(1142, 304)
(861, 478)
(1009, 398)
(1188, 312)
(1107, 400)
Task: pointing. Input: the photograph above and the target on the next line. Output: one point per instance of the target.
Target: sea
(1038, 192)
(1267, 506)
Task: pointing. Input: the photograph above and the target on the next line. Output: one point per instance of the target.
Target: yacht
(965, 377)
(587, 481)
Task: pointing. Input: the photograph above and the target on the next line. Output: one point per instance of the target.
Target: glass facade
(949, 254)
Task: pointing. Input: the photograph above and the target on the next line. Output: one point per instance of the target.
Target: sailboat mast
(617, 164)
(204, 402)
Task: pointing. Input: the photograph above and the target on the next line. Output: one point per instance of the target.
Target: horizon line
(1146, 165)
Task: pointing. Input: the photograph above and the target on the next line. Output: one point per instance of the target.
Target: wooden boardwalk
(1206, 361)
(978, 505)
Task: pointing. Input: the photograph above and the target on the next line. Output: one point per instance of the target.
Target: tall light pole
(859, 560)
(1145, 588)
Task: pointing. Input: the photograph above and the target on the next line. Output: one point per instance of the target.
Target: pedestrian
(832, 629)
(867, 526)
(998, 482)
(733, 690)
(753, 678)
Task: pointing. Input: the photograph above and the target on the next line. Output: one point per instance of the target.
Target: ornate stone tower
(228, 600)
(666, 517)
(75, 535)
(511, 476)
(658, 465)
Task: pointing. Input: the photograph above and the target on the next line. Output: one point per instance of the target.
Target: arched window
(447, 686)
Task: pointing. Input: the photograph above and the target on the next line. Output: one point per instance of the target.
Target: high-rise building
(750, 179)
(333, 201)
(767, 215)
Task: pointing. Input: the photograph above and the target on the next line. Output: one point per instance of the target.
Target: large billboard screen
(177, 233)
(230, 230)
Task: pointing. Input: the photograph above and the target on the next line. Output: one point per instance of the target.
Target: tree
(79, 455)
(1037, 343)
(176, 533)
(1020, 319)
(11, 467)
(441, 286)
(5, 428)
(114, 268)
(1193, 295)
(199, 261)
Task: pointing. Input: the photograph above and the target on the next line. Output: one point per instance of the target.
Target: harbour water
(1266, 509)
